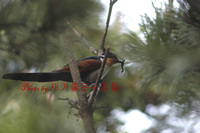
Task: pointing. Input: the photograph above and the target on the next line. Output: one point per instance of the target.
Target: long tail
(39, 77)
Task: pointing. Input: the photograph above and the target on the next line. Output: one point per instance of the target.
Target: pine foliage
(167, 59)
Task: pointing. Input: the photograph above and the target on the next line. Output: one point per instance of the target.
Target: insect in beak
(122, 65)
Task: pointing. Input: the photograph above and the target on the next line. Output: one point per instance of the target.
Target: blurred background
(158, 92)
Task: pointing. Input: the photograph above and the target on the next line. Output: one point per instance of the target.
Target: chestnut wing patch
(85, 65)
(88, 65)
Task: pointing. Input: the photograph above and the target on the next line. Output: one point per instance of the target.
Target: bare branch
(85, 111)
(93, 95)
(74, 69)
(85, 106)
(101, 51)
(73, 104)
(112, 2)
(85, 42)
(101, 107)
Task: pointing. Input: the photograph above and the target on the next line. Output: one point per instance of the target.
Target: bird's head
(112, 59)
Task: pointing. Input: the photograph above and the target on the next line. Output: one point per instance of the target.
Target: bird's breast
(106, 69)
(92, 77)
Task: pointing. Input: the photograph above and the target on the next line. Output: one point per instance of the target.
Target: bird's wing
(84, 65)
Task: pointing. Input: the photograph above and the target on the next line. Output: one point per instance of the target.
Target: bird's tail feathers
(39, 77)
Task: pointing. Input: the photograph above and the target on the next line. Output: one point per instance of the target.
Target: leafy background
(162, 68)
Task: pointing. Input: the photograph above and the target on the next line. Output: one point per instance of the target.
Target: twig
(73, 104)
(101, 51)
(93, 95)
(85, 42)
(101, 107)
(112, 2)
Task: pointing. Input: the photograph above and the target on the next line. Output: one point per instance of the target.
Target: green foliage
(23, 111)
(30, 40)
(30, 29)
(161, 67)
(169, 52)
(166, 59)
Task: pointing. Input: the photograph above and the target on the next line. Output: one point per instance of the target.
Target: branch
(112, 2)
(93, 95)
(85, 107)
(101, 107)
(85, 42)
(73, 104)
(101, 51)
(85, 111)
(74, 69)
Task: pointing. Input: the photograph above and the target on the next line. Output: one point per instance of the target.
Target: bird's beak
(122, 64)
(119, 61)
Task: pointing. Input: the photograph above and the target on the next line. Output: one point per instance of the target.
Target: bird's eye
(102, 56)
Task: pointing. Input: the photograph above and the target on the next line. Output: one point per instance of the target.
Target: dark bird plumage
(39, 77)
(88, 68)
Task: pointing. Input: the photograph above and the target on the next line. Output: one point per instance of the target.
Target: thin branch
(101, 107)
(73, 104)
(85, 42)
(64, 98)
(101, 51)
(93, 95)
(112, 2)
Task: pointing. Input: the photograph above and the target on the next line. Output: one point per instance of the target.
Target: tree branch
(101, 51)
(112, 2)
(73, 104)
(85, 107)
(101, 107)
(85, 42)
(74, 68)
(85, 111)
(93, 95)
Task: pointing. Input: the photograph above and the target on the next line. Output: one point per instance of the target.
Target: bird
(88, 68)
